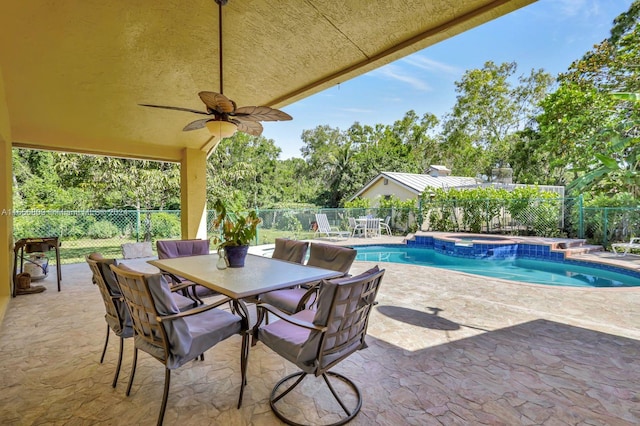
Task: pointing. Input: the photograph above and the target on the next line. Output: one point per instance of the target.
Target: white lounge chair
(328, 230)
(624, 248)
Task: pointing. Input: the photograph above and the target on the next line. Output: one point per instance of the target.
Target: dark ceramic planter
(236, 255)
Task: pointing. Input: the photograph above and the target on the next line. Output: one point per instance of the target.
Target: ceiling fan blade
(250, 127)
(217, 102)
(195, 125)
(260, 113)
(175, 108)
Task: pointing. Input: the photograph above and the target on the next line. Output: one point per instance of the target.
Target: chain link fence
(301, 223)
(608, 225)
(543, 217)
(104, 231)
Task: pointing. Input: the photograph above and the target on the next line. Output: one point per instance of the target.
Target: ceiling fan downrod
(220, 4)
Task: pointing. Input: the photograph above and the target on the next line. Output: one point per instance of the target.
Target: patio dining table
(259, 275)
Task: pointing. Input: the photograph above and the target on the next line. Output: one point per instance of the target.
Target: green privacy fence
(82, 232)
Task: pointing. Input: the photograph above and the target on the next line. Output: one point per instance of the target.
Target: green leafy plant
(102, 229)
(236, 228)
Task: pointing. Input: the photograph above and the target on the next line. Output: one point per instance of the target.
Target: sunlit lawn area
(74, 251)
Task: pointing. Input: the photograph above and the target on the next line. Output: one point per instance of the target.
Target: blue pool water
(512, 268)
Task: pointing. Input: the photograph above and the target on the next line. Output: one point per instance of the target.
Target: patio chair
(624, 248)
(117, 315)
(172, 337)
(373, 227)
(384, 225)
(356, 228)
(326, 229)
(317, 340)
(168, 249)
(292, 300)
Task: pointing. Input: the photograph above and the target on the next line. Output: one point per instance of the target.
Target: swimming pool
(508, 268)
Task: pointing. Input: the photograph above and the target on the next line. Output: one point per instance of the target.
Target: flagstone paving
(444, 348)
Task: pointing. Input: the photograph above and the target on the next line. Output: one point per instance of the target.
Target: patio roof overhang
(74, 71)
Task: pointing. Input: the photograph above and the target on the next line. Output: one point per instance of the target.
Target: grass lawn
(74, 251)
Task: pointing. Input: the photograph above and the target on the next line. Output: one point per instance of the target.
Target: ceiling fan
(223, 116)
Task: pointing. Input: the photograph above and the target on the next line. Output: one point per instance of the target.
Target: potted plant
(236, 230)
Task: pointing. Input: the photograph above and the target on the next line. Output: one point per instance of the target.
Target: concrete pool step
(583, 249)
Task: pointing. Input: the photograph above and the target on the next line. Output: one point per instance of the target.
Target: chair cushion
(287, 339)
(332, 257)
(109, 278)
(168, 249)
(286, 300)
(137, 250)
(183, 303)
(203, 291)
(290, 250)
(125, 329)
(206, 329)
(190, 336)
(177, 330)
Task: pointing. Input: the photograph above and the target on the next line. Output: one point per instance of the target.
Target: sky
(548, 34)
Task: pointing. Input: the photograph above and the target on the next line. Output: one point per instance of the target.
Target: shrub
(41, 225)
(165, 225)
(288, 221)
(102, 230)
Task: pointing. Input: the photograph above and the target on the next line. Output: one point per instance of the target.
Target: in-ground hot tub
(475, 246)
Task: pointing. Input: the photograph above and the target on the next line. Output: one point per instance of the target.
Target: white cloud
(427, 64)
(394, 72)
(583, 9)
(357, 110)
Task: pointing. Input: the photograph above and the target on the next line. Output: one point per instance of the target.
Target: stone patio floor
(444, 348)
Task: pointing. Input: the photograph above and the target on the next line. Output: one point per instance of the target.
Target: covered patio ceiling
(74, 72)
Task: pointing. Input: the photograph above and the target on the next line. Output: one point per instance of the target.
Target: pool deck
(445, 348)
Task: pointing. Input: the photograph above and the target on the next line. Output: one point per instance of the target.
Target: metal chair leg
(165, 395)
(106, 342)
(133, 370)
(115, 377)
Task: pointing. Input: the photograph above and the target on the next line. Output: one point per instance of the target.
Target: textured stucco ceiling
(74, 71)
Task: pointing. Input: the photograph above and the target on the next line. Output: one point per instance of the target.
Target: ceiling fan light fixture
(221, 129)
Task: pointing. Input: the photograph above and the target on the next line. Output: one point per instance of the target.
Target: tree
(243, 168)
(600, 130)
(569, 128)
(488, 112)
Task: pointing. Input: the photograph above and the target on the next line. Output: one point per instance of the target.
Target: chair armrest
(178, 287)
(172, 277)
(288, 318)
(194, 311)
(312, 290)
